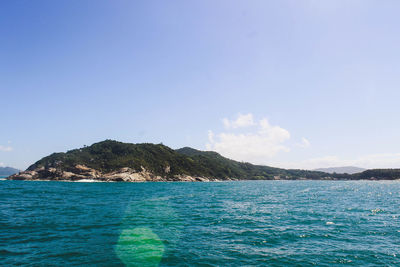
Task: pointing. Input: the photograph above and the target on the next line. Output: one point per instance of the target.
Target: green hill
(109, 156)
(378, 174)
(218, 166)
(116, 161)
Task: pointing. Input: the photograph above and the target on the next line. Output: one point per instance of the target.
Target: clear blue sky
(324, 75)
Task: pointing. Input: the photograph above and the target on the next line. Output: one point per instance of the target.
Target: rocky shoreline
(84, 173)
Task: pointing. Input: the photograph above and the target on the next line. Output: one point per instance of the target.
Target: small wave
(68, 254)
(330, 223)
(8, 252)
(88, 181)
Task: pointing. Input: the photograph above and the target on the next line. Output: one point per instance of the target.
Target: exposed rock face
(130, 175)
(81, 172)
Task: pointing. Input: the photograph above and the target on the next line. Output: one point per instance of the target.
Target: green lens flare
(139, 247)
(150, 230)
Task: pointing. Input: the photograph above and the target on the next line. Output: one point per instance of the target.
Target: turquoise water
(260, 223)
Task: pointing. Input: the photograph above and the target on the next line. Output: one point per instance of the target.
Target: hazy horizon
(292, 84)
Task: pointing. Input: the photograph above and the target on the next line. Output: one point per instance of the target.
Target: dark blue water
(273, 223)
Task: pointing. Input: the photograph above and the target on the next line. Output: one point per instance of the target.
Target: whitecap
(87, 181)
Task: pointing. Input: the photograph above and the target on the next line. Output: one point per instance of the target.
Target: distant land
(6, 171)
(116, 161)
(346, 169)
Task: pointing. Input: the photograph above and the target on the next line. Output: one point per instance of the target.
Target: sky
(294, 84)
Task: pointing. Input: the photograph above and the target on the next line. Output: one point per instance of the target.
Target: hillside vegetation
(109, 155)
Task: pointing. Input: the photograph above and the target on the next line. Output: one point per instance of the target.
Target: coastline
(83, 173)
(198, 181)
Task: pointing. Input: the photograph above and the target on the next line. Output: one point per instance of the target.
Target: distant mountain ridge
(116, 161)
(6, 171)
(342, 170)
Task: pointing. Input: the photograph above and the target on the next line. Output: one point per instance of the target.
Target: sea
(246, 223)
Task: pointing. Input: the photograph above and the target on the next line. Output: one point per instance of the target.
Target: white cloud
(240, 122)
(257, 141)
(2, 164)
(6, 148)
(388, 160)
(304, 143)
(256, 145)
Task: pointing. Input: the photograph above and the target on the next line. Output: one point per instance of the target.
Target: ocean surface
(252, 223)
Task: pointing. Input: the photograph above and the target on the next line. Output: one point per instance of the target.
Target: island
(113, 161)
